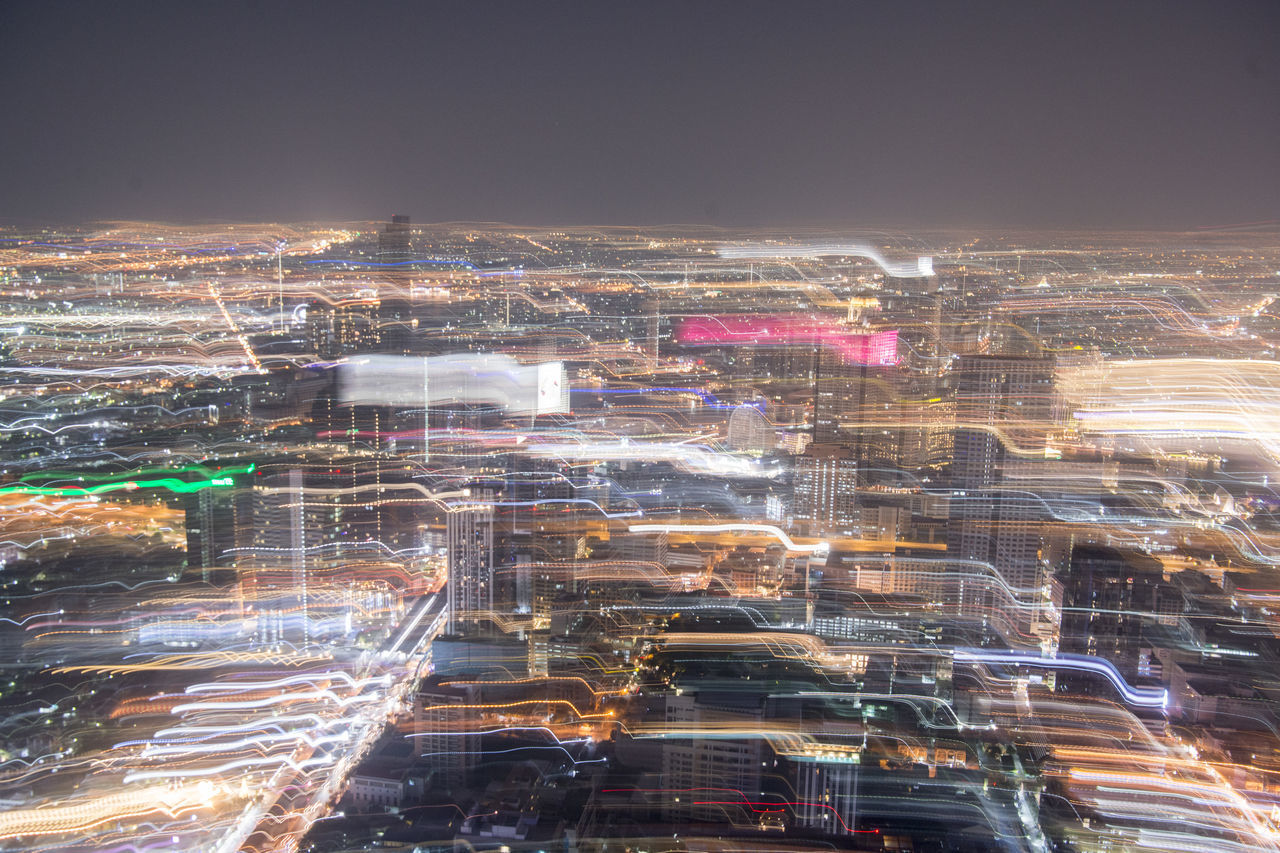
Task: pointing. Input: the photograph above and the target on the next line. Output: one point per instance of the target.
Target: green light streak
(173, 484)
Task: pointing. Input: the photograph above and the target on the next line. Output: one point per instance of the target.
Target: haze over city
(645, 427)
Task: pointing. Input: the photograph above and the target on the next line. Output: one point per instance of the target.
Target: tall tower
(469, 539)
(393, 241)
(278, 575)
(1002, 416)
(852, 401)
(218, 521)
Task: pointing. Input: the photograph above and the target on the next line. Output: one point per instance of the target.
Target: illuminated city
(338, 515)
(316, 537)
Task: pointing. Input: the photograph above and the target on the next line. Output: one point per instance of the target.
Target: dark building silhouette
(218, 521)
(393, 241)
(1108, 599)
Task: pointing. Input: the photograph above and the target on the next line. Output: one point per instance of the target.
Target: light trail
(1141, 697)
(766, 529)
(923, 266)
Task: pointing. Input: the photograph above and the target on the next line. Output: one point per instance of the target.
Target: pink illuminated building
(874, 348)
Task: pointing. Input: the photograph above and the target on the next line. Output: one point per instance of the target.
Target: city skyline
(665, 427)
(336, 537)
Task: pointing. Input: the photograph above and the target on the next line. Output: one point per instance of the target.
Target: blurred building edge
(1002, 420)
(827, 793)
(712, 764)
(394, 241)
(1113, 606)
(446, 725)
(470, 559)
(826, 477)
(749, 431)
(218, 521)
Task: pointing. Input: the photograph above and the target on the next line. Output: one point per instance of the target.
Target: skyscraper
(469, 540)
(853, 406)
(393, 241)
(538, 539)
(1109, 598)
(1002, 411)
(218, 521)
(445, 722)
(277, 580)
(825, 481)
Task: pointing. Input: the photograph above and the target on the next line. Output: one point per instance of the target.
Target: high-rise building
(837, 397)
(712, 764)
(393, 241)
(827, 793)
(343, 328)
(927, 435)
(276, 577)
(826, 477)
(445, 722)
(470, 563)
(539, 538)
(1002, 411)
(218, 521)
(848, 391)
(641, 547)
(395, 256)
(1108, 599)
(854, 406)
(303, 523)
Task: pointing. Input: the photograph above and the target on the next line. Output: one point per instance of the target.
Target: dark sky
(1041, 114)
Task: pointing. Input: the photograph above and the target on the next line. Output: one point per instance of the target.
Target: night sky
(1077, 115)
